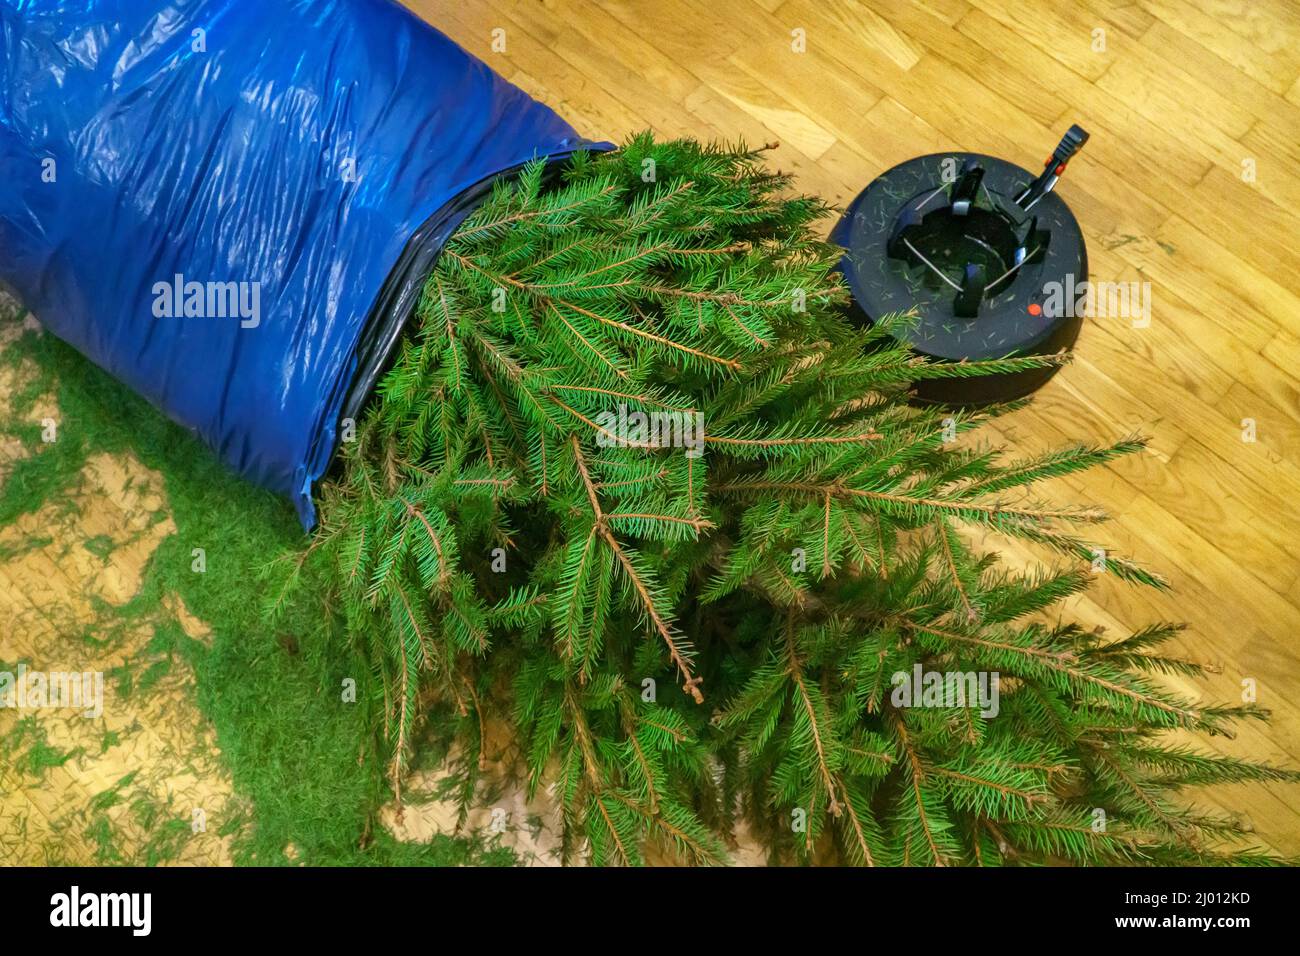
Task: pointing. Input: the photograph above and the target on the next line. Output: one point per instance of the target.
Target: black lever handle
(1070, 144)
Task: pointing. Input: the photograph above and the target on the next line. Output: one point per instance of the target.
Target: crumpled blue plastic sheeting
(290, 147)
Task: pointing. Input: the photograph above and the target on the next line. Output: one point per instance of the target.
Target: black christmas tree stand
(982, 251)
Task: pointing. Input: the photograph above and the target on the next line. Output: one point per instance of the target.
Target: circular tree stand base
(1027, 267)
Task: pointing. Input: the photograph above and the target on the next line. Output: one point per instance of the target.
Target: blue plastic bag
(216, 200)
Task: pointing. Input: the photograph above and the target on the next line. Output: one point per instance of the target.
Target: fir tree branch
(1056, 660)
(690, 681)
(918, 777)
(795, 671)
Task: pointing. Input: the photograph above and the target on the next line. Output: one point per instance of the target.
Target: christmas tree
(636, 484)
